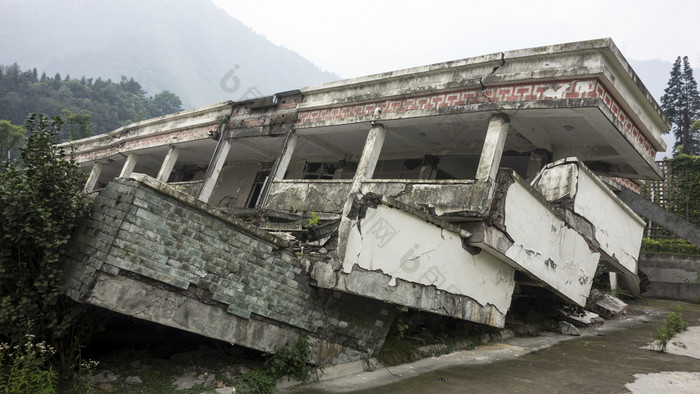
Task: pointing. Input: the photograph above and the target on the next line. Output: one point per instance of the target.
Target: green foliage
(681, 103)
(165, 102)
(313, 220)
(87, 105)
(258, 382)
(669, 246)
(673, 325)
(25, 367)
(10, 138)
(290, 360)
(41, 201)
(76, 126)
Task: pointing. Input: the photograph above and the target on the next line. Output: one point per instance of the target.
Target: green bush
(41, 200)
(673, 325)
(290, 360)
(258, 382)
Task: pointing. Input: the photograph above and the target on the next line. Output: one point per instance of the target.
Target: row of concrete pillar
(163, 174)
(486, 171)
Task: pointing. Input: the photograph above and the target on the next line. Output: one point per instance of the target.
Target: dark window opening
(258, 185)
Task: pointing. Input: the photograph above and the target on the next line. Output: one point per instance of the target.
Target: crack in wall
(481, 79)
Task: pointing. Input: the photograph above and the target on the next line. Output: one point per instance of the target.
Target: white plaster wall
(234, 184)
(618, 231)
(403, 246)
(545, 247)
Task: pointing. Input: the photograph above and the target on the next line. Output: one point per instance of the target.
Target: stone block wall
(152, 252)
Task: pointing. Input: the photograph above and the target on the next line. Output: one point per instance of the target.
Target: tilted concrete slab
(525, 231)
(593, 209)
(408, 249)
(152, 252)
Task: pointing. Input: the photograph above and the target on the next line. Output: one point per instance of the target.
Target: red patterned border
(628, 124)
(556, 90)
(627, 183)
(147, 142)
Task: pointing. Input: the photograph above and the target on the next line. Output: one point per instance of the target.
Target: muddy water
(593, 364)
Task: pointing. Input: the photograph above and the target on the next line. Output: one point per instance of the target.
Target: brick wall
(142, 233)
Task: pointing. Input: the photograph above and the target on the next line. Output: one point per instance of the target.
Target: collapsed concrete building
(445, 188)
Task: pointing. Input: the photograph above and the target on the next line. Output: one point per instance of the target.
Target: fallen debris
(569, 329)
(588, 319)
(608, 306)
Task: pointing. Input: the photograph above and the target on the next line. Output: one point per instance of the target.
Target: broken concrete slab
(586, 319)
(608, 306)
(569, 329)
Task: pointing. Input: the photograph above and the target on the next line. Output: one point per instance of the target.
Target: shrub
(290, 360)
(673, 325)
(41, 200)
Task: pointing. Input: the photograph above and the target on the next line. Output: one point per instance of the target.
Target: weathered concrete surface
(665, 382)
(515, 230)
(150, 251)
(432, 256)
(594, 210)
(303, 195)
(686, 343)
(674, 277)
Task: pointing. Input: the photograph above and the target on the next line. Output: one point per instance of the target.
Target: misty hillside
(184, 46)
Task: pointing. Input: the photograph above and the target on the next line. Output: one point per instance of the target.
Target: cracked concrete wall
(442, 198)
(546, 247)
(300, 196)
(596, 211)
(152, 252)
(391, 252)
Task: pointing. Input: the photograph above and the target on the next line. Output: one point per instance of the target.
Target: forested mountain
(189, 47)
(88, 106)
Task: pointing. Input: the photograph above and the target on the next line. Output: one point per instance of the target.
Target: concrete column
(370, 156)
(365, 170)
(167, 167)
(493, 148)
(613, 280)
(489, 161)
(94, 175)
(213, 173)
(129, 165)
(285, 157)
(538, 159)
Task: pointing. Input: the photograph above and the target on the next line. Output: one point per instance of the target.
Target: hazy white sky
(360, 37)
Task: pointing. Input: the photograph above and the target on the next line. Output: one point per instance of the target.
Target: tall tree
(681, 103)
(41, 201)
(164, 103)
(76, 126)
(10, 138)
